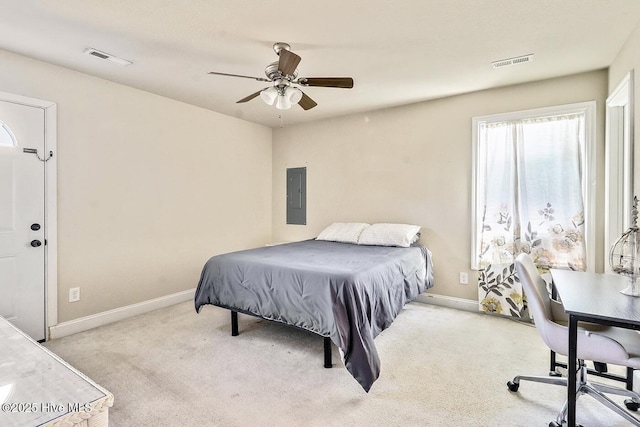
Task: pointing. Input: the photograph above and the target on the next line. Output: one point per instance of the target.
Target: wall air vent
(512, 61)
(103, 55)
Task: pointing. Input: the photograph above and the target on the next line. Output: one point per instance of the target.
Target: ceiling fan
(283, 73)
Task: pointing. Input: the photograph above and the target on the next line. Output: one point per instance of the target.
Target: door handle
(36, 243)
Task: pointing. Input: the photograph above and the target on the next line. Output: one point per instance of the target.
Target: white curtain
(530, 179)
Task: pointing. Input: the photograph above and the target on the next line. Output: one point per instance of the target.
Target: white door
(22, 228)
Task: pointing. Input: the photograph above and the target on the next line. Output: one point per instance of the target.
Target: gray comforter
(347, 292)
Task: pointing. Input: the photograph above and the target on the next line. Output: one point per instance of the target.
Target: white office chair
(615, 346)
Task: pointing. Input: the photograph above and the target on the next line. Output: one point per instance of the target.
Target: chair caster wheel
(513, 386)
(554, 424)
(631, 405)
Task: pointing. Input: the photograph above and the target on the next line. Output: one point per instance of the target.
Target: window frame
(588, 166)
(12, 137)
(619, 153)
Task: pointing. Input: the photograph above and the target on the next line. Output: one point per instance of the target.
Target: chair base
(600, 371)
(595, 390)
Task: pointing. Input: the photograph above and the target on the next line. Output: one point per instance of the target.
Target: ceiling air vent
(512, 61)
(103, 55)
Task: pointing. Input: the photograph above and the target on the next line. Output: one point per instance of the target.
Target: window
(6, 137)
(532, 187)
(531, 193)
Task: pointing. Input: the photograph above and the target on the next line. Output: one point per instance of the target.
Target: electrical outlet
(74, 294)
(464, 278)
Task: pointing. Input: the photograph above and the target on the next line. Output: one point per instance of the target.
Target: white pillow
(384, 234)
(345, 232)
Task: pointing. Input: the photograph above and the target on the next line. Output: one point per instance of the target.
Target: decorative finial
(634, 213)
(624, 256)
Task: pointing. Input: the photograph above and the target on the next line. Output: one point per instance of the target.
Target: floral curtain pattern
(530, 177)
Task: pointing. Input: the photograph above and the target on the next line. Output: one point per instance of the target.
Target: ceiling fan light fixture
(269, 95)
(283, 102)
(294, 94)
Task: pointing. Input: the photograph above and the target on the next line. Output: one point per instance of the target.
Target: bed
(345, 292)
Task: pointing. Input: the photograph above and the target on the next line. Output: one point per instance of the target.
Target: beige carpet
(440, 366)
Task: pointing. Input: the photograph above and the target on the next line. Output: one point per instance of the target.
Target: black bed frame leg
(327, 340)
(327, 352)
(234, 323)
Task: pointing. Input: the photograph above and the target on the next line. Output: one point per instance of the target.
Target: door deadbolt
(36, 243)
(35, 227)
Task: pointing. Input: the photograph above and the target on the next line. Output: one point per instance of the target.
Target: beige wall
(148, 188)
(412, 164)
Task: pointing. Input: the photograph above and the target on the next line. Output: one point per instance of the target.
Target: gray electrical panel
(297, 196)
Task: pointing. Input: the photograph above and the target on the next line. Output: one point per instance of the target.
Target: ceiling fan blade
(260, 79)
(250, 97)
(306, 103)
(341, 82)
(288, 62)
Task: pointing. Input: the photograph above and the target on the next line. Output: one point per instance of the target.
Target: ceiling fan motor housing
(273, 73)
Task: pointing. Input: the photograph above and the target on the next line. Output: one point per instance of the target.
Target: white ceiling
(398, 52)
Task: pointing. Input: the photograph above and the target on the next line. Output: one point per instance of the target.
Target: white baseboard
(89, 322)
(451, 302)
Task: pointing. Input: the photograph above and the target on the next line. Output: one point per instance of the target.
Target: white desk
(592, 298)
(37, 388)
